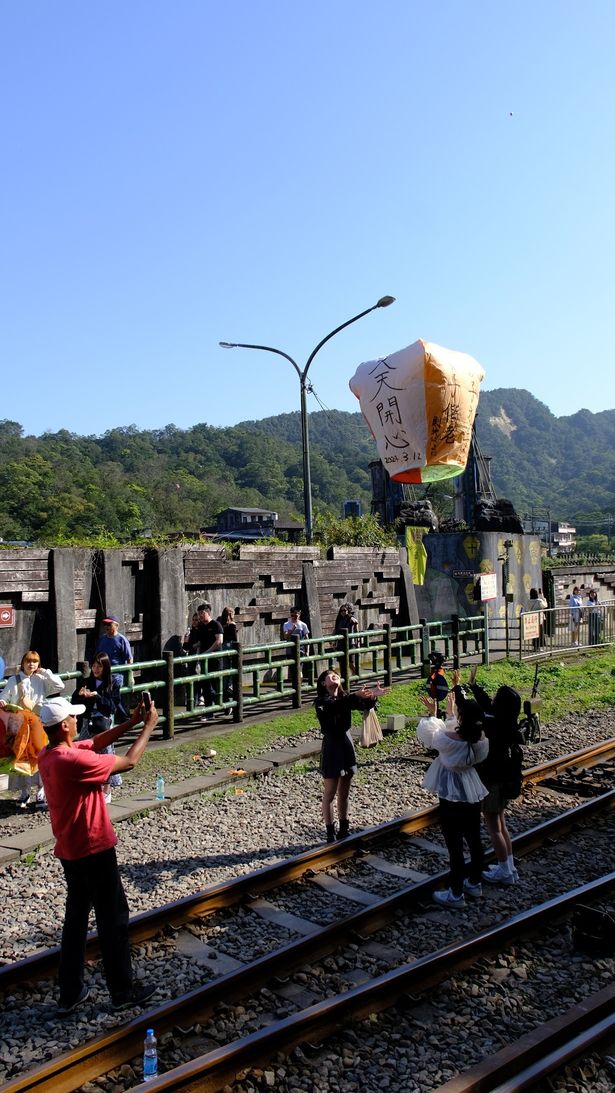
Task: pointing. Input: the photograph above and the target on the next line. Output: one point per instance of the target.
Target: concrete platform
(26, 841)
(14, 846)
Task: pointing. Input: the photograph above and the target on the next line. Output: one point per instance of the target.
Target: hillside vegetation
(62, 487)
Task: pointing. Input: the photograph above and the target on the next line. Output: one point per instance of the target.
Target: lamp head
(228, 345)
(384, 301)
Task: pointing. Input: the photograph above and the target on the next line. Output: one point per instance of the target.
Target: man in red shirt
(73, 774)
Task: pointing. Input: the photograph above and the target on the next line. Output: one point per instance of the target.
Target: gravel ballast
(191, 843)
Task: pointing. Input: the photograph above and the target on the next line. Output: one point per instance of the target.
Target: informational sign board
(531, 625)
(488, 587)
(7, 615)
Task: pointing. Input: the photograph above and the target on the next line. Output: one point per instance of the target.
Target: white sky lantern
(420, 404)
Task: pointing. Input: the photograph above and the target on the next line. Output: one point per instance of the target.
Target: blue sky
(178, 173)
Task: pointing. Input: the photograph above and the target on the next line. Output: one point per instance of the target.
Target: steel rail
(586, 757)
(68, 1072)
(579, 1045)
(545, 1048)
(227, 893)
(210, 1072)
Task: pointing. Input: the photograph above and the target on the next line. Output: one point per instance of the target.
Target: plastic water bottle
(150, 1056)
(160, 788)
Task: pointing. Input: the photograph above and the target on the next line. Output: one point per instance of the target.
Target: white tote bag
(371, 733)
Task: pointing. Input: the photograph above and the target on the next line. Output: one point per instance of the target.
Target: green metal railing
(239, 678)
(555, 633)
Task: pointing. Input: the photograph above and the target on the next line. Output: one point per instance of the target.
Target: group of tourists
(581, 612)
(208, 635)
(27, 693)
(583, 606)
(478, 771)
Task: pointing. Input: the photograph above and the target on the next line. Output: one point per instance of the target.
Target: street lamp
(384, 301)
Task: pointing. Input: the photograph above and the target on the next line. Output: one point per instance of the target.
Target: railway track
(543, 1051)
(228, 893)
(119, 1045)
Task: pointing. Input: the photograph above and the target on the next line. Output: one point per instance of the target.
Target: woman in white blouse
(461, 744)
(30, 688)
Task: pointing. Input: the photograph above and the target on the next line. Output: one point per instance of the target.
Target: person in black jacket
(501, 770)
(100, 694)
(338, 760)
(229, 637)
(346, 622)
(191, 647)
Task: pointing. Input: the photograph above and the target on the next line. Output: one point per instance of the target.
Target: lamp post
(384, 301)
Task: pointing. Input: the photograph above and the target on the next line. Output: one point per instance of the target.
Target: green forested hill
(60, 485)
(566, 464)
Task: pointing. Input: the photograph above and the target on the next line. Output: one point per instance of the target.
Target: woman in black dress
(338, 760)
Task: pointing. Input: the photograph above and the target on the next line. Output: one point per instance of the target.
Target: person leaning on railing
(229, 637)
(346, 623)
(575, 603)
(594, 617)
(537, 603)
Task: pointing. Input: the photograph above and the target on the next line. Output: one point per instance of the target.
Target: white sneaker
(447, 899)
(107, 798)
(201, 701)
(474, 891)
(499, 874)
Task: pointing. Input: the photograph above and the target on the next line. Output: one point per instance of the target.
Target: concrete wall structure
(59, 596)
(599, 577)
(456, 559)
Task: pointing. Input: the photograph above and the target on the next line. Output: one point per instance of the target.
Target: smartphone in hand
(146, 699)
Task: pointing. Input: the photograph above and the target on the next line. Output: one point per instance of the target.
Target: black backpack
(513, 775)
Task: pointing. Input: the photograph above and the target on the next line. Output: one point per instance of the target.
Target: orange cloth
(22, 735)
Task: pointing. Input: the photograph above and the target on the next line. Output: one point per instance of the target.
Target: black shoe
(64, 1007)
(137, 997)
(330, 833)
(344, 830)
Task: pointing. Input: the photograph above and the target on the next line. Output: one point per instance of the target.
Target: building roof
(243, 508)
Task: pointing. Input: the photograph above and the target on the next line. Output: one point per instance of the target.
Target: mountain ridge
(61, 486)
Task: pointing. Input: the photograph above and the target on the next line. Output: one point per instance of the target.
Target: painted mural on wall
(456, 560)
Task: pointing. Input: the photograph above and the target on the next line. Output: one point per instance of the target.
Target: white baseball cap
(57, 709)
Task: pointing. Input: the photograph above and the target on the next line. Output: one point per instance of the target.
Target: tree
(366, 531)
